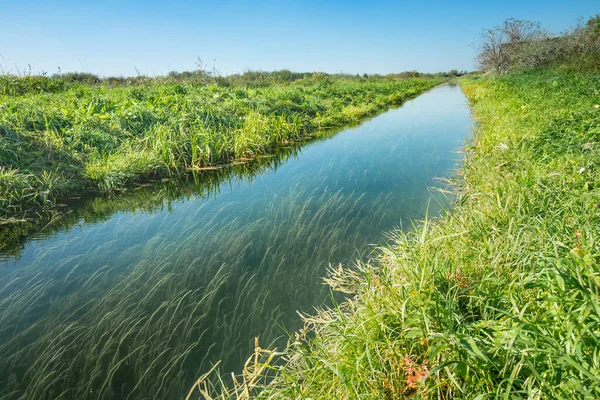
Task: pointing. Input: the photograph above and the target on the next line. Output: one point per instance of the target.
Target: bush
(521, 45)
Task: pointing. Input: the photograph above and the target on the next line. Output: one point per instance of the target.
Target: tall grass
(498, 299)
(59, 137)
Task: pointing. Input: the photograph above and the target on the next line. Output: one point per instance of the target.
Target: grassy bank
(147, 197)
(59, 137)
(501, 297)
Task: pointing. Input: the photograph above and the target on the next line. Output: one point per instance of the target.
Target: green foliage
(593, 28)
(82, 132)
(12, 85)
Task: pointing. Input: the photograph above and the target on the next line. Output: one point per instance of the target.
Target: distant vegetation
(63, 134)
(517, 45)
(26, 82)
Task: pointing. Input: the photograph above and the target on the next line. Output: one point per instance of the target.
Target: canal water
(138, 295)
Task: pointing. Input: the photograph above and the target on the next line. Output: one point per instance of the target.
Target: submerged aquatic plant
(80, 327)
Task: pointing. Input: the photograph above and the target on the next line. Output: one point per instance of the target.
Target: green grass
(500, 298)
(60, 137)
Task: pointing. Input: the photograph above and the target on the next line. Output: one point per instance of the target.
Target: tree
(592, 28)
(499, 47)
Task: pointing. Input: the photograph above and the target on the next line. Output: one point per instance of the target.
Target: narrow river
(140, 294)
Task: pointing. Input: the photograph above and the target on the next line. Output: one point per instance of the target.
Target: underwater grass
(500, 298)
(63, 137)
(145, 321)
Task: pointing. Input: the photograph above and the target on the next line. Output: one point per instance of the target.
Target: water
(138, 295)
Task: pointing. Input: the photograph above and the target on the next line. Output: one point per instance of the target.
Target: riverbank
(501, 296)
(61, 138)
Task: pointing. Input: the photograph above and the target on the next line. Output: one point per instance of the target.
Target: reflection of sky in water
(285, 227)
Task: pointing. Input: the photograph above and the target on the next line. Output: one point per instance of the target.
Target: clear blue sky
(115, 37)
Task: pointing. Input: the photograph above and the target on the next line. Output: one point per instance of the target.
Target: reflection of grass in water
(146, 197)
(146, 324)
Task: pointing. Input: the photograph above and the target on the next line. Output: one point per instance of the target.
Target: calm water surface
(140, 301)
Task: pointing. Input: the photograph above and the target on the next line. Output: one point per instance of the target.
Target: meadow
(497, 299)
(67, 135)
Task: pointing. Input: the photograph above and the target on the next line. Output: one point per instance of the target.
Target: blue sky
(116, 37)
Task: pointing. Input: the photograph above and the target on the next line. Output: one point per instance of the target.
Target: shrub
(520, 45)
